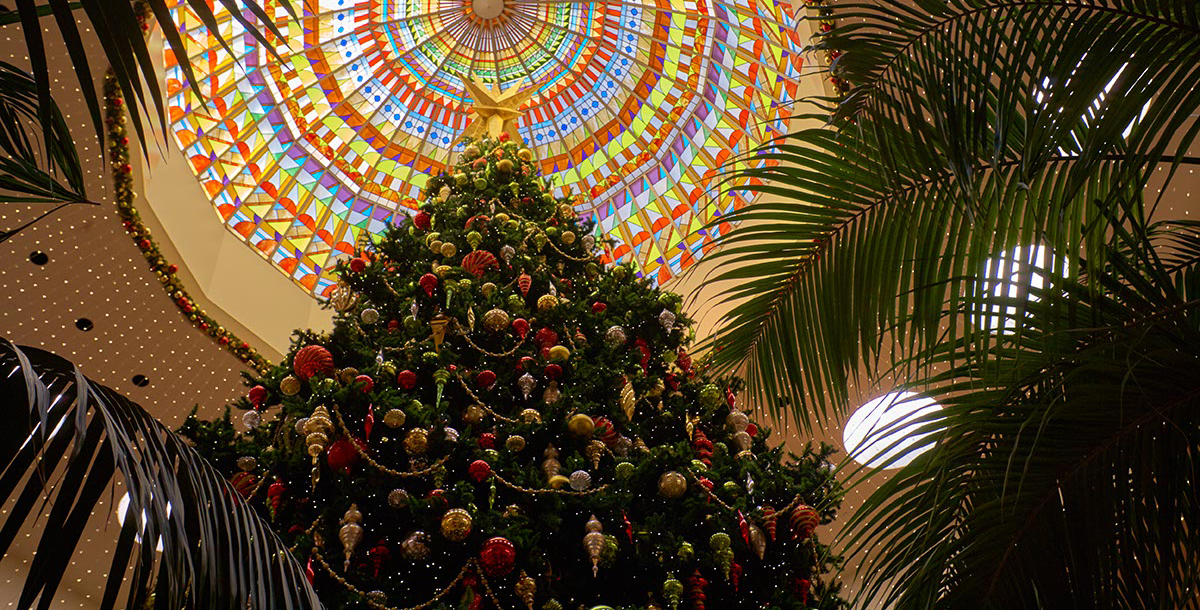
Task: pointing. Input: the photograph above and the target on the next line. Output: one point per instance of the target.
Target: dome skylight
(885, 427)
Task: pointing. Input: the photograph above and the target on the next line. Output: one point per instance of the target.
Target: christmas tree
(500, 420)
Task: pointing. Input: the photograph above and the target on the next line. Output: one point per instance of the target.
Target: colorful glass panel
(637, 106)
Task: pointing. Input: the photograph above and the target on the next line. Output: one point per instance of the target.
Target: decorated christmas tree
(498, 419)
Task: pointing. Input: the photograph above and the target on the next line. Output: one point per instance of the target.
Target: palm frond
(1061, 473)
(216, 552)
(33, 171)
(974, 126)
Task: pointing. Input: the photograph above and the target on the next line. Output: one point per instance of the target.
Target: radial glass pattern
(636, 106)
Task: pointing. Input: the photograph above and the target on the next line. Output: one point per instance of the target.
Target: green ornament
(327, 385)
(699, 466)
(461, 179)
(480, 183)
(515, 188)
(710, 396)
(491, 455)
(719, 541)
(720, 448)
(731, 488)
(669, 356)
(608, 553)
(540, 240)
(512, 225)
(552, 605)
(552, 231)
(430, 357)
(516, 301)
(592, 269)
(672, 590)
(474, 238)
(464, 285)
(686, 552)
(625, 470)
(412, 324)
(388, 368)
(620, 271)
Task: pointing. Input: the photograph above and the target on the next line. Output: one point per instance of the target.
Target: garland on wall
(825, 25)
(167, 273)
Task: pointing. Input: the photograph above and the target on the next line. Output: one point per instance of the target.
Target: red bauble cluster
(312, 361)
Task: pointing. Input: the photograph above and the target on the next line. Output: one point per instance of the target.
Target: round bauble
(415, 547)
(672, 485)
(515, 302)
(471, 152)
(257, 395)
(568, 237)
(558, 481)
(546, 302)
(246, 463)
(504, 166)
(531, 416)
(497, 557)
(312, 360)
(581, 425)
(369, 316)
(525, 154)
(358, 264)
(448, 249)
(342, 456)
(559, 353)
(252, 419)
(730, 487)
(485, 379)
(737, 420)
(615, 336)
(487, 289)
(580, 480)
(398, 498)
(406, 379)
(625, 470)
(290, 386)
(473, 415)
(495, 320)
(416, 442)
(367, 382)
(710, 396)
(456, 525)
(479, 471)
(515, 443)
(394, 418)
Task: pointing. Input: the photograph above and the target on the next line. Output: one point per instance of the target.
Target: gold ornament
(552, 393)
(394, 418)
(398, 498)
(351, 532)
(672, 485)
(593, 543)
(551, 466)
(557, 481)
(546, 302)
(628, 400)
(595, 452)
(568, 237)
(525, 154)
(531, 416)
(559, 353)
(581, 425)
(473, 415)
(456, 525)
(448, 249)
(442, 270)
(342, 298)
(435, 245)
(758, 541)
(526, 589)
(495, 110)
(290, 385)
(488, 288)
(515, 443)
(416, 441)
(439, 324)
(317, 430)
(496, 320)
(347, 375)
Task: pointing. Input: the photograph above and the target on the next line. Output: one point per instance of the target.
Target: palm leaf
(216, 553)
(974, 126)
(22, 175)
(1061, 473)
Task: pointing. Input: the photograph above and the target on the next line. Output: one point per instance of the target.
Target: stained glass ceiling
(637, 104)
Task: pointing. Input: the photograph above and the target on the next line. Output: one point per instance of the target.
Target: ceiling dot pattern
(636, 105)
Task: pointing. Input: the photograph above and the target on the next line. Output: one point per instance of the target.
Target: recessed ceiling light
(886, 427)
(140, 380)
(38, 257)
(84, 324)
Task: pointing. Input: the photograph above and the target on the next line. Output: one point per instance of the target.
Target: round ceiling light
(886, 427)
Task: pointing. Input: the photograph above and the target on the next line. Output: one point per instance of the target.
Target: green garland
(166, 272)
(826, 24)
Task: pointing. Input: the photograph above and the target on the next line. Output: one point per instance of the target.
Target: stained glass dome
(636, 105)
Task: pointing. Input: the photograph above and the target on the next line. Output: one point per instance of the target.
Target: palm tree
(66, 438)
(1061, 471)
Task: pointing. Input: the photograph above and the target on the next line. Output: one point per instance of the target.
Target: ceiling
(95, 272)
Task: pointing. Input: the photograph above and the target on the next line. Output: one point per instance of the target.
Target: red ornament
(358, 264)
(804, 520)
(144, 244)
(503, 137)
(628, 527)
(802, 587)
(406, 379)
(546, 337)
(487, 440)
(172, 268)
(379, 555)
(393, 325)
(223, 340)
(367, 383)
(342, 456)
(312, 361)
(607, 432)
(526, 363)
(695, 590)
(275, 498)
(770, 521)
(369, 422)
(598, 307)
(422, 220)
(553, 371)
(703, 447)
(684, 361)
(752, 429)
(521, 327)
(524, 282)
(479, 470)
(497, 557)
(243, 483)
(744, 526)
(486, 379)
(478, 262)
(730, 398)
(428, 282)
(257, 395)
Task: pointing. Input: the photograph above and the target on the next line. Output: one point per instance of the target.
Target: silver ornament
(527, 383)
(247, 463)
(451, 434)
(580, 480)
(398, 498)
(252, 419)
(737, 420)
(414, 309)
(615, 336)
(589, 242)
(369, 316)
(623, 446)
(667, 319)
(552, 393)
(508, 252)
(300, 423)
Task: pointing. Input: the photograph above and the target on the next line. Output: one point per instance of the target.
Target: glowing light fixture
(886, 427)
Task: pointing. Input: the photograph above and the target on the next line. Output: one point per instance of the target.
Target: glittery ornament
(398, 498)
(394, 418)
(581, 425)
(521, 327)
(367, 382)
(342, 298)
(545, 337)
(588, 242)
(456, 525)
(369, 316)
(527, 383)
(290, 386)
(710, 396)
(487, 289)
(615, 337)
(252, 419)
(769, 520)
(428, 282)
(507, 252)
(300, 423)
(667, 318)
(448, 250)
(478, 262)
(551, 466)
(526, 589)
(758, 541)
(531, 416)
(737, 420)
(546, 302)
(672, 485)
(628, 400)
(416, 442)
(406, 379)
(497, 557)
(317, 430)
(672, 591)
(351, 532)
(593, 543)
(524, 282)
(473, 415)
(415, 547)
(552, 393)
(496, 320)
(580, 480)
(450, 434)
(595, 452)
(515, 443)
(485, 379)
(804, 519)
(311, 361)
(377, 597)
(625, 470)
